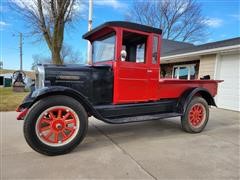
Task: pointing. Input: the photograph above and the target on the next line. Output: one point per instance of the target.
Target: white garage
(228, 69)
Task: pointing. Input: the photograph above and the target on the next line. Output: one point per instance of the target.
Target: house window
(184, 71)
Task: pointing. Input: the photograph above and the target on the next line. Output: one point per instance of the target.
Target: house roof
(169, 46)
(182, 49)
(124, 24)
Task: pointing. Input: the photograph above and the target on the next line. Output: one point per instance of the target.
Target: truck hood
(70, 72)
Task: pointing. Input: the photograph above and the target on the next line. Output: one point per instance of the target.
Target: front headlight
(40, 76)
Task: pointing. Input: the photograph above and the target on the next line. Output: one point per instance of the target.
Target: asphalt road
(146, 150)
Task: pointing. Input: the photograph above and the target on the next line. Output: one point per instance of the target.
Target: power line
(89, 58)
(20, 49)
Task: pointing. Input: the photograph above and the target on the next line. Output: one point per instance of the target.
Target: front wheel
(55, 125)
(196, 116)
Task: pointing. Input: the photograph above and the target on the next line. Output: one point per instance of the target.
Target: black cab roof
(124, 24)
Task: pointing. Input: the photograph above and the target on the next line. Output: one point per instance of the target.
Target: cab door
(131, 82)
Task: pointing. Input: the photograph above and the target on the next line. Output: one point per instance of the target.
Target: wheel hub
(58, 125)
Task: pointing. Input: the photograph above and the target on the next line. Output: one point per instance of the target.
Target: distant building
(6, 78)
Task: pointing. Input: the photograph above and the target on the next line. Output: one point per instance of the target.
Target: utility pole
(20, 48)
(90, 11)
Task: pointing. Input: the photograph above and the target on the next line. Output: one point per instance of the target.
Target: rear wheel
(196, 116)
(55, 125)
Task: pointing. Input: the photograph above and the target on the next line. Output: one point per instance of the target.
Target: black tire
(42, 105)
(186, 123)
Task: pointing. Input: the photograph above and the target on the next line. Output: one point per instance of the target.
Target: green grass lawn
(10, 100)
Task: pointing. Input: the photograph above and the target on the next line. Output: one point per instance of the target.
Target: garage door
(228, 69)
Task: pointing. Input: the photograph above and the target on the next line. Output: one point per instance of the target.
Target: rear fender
(187, 96)
(38, 94)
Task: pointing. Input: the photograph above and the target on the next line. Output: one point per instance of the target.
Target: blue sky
(223, 23)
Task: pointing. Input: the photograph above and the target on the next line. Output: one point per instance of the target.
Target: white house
(220, 60)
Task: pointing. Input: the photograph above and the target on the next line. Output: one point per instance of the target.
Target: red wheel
(57, 126)
(196, 116)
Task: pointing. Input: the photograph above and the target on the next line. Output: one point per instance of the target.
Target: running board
(141, 118)
(136, 109)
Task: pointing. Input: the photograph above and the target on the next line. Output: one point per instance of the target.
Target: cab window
(135, 46)
(155, 50)
(104, 48)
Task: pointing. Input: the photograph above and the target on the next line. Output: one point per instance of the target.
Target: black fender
(44, 92)
(187, 96)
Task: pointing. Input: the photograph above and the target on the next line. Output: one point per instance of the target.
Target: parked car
(122, 85)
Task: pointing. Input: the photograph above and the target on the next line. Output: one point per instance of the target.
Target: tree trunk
(52, 24)
(56, 58)
(57, 40)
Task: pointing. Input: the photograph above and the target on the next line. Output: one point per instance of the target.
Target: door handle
(149, 70)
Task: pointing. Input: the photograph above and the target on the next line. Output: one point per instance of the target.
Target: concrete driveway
(147, 150)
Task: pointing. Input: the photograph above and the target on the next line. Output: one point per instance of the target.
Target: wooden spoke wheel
(196, 115)
(55, 125)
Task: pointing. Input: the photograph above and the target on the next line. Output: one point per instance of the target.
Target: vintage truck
(122, 85)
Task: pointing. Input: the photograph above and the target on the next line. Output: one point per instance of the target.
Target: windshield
(104, 48)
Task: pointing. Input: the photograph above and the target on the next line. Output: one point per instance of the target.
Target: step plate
(142, 118)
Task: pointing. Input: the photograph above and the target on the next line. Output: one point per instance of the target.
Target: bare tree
(179, 19)
(40, 59)
(1, 64)
(48, 18)
(68, 56)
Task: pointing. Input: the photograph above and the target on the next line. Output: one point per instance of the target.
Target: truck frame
(122, 85)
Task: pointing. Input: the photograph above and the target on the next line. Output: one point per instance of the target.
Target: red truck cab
(122, 85)
(137, 75)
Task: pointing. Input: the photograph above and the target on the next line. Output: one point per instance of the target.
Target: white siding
(207, 65)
